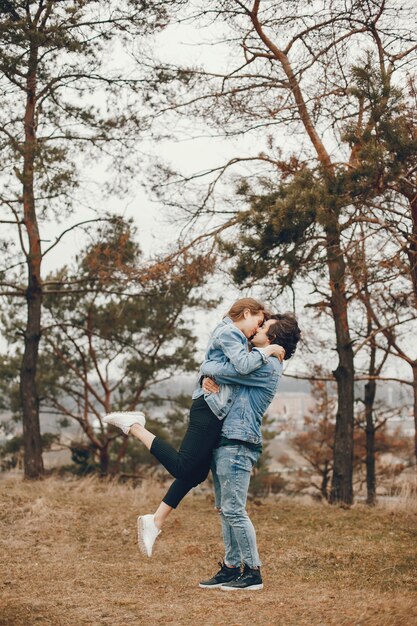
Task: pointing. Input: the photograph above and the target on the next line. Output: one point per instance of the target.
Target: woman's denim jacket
(255, 392)
(228, 344)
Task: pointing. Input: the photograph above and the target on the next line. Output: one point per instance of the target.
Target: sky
(189, 155)
(156, 229)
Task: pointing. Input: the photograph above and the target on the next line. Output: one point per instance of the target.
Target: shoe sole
(251, 588)
(141, 543)
(141, 421)
(210, 586)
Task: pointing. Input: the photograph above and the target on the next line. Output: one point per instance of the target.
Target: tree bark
(325, 481)
(370, 390)
(33, 463)
(369, 399)
(104, 460)
(342, 480)
(412, 247)
(414, 366)
(412, 256)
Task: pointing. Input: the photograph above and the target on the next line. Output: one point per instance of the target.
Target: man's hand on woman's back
(209, 385)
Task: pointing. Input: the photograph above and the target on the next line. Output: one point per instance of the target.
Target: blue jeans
(231, 469)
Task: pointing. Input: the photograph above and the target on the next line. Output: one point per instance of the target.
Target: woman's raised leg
(199, 440)
(141, 433)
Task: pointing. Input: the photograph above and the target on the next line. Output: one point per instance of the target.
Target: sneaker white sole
(251, 588)
(141, 543)
(210, 586)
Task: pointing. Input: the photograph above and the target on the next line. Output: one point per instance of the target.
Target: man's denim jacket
(228, 344)
(255, 392)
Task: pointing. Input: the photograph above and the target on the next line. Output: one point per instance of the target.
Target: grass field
(68, 557)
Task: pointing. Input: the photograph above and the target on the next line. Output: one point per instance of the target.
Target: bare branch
(71, 228)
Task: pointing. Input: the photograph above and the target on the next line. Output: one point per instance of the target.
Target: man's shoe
(249, 579)
(224, 575)
(147, 533)
(125, 419)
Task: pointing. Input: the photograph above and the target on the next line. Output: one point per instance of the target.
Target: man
(239, 449)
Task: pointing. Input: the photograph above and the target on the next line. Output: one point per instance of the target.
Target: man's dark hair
(284, 332)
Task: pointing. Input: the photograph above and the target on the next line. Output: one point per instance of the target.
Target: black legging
(191, 464)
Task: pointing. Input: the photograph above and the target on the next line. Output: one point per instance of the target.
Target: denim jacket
(254, 394)
(228, 344)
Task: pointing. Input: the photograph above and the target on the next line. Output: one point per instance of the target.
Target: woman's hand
(274, 350)
(210, 386)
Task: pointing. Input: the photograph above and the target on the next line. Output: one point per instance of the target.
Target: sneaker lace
(241, 575)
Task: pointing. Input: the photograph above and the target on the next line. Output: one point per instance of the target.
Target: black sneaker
(250, 579)
(224, 575)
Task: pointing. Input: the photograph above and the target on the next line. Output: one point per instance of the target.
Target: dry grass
(69, 558)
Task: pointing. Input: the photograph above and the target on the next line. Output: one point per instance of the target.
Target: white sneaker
(125, 419)
(147, 533)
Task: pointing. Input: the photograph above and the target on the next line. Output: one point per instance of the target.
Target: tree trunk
(412, 256)
(412, 247)
(33, 463)
(104, 460)
(414, 366)
(341, 489)
(370, 390)
(369, 399)
(325, 481)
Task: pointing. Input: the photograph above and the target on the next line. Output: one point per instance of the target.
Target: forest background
(160, 158)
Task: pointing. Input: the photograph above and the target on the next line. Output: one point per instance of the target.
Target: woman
(191, 463)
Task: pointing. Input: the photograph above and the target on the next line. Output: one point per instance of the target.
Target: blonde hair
(236, 310)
